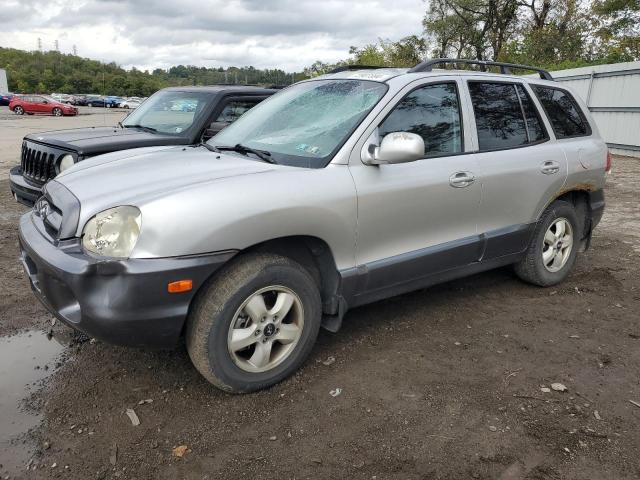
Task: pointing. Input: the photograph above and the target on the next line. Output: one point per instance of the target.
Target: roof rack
(505, 68)
(346, 68)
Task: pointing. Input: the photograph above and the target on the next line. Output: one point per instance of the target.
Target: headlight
(66, 162)
(113, 232)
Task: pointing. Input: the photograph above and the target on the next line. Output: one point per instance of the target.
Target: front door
(419, 218)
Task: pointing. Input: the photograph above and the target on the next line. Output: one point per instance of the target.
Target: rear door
(521, 167)
(28, 104)
(40, 105)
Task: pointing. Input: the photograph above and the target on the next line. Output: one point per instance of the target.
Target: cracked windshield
(306, 123)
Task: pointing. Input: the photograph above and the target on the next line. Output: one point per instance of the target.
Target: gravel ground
(443, 383)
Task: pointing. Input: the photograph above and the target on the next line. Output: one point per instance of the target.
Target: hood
(134, 177)
(96, 140)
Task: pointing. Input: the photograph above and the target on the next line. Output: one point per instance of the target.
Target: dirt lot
(443, 383)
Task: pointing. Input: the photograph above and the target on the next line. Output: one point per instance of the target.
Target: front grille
(58, 212)
(38, 162)
(50, 215)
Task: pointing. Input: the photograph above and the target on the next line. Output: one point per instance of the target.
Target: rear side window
(564, 113)
(433, 112)
(505, 116)
(235, 109)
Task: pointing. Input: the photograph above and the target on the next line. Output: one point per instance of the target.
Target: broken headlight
(113, 232)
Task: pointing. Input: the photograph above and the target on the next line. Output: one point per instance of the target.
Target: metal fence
(4, 88)
(612, 93)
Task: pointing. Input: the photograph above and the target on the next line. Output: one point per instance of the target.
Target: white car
(130, 103)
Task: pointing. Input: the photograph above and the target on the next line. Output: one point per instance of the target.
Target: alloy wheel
(557, 245)
(265, 329)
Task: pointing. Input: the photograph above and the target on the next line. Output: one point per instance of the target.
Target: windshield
(170, 112)
(305, 124)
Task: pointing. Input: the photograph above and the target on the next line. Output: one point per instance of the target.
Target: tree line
(52, 71)
(553, 34)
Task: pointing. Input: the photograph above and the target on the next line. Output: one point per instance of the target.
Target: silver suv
(337, 191)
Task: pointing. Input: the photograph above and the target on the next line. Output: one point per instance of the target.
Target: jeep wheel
(57, 112)
(255, 323)
(553, 250)
(18, 110)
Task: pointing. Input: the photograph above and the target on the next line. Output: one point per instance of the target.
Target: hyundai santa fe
(336, 192)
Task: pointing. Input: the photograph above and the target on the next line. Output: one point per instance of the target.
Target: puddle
(25, 360)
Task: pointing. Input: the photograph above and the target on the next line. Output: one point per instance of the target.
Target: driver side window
(433, 112)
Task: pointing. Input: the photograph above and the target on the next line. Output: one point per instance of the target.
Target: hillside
(46, 72)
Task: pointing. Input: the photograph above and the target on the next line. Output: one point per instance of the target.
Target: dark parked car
(32, 104)
(80, 100)
(157, 122)
(5, 98)
(108, 102)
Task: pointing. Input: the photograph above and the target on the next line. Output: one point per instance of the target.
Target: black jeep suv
(172, 116)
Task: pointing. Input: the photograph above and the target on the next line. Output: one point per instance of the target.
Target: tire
(223, 303)
(549, 262)
(56, 112)
(18, 110)
(126, 107)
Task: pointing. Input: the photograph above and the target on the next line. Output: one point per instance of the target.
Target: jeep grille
(38, 162)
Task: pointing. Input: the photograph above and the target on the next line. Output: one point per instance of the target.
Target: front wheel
(57, 112)
(18, 110)
(554, 247)
(255, 323)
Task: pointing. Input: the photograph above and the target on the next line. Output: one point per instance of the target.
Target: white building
(4, 87)
(612, 93)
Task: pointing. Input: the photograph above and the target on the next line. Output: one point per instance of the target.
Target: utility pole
(39, 44)
(75, 51)
(56, 46)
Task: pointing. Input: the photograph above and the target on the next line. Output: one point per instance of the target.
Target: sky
(148, 34)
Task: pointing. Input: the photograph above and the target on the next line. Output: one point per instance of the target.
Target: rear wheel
(553, 250)
(18, 110)
(57, 112)
(255, 323)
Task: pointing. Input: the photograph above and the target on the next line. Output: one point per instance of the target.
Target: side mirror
(399, 147)
(45, 102)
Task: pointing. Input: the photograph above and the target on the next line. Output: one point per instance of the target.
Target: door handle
(549, 167)
(461, 179)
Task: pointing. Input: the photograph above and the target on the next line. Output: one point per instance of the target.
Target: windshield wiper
(148, 129)
(211, 148)
(261, 154)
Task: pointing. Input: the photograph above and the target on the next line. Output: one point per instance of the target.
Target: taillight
(609, 162)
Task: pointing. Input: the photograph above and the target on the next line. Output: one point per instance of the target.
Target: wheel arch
(315, 255)
(588, 203)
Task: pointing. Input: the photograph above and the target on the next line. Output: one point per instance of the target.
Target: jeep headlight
(113, 232)
(66, 162)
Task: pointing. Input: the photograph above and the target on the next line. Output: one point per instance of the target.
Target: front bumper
(124, 302)
(23, 191)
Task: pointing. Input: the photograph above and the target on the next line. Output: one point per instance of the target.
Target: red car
(31, 104)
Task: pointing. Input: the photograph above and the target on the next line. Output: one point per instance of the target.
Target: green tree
(618, 29)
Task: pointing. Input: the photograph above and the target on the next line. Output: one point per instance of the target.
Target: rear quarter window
(566, 117)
